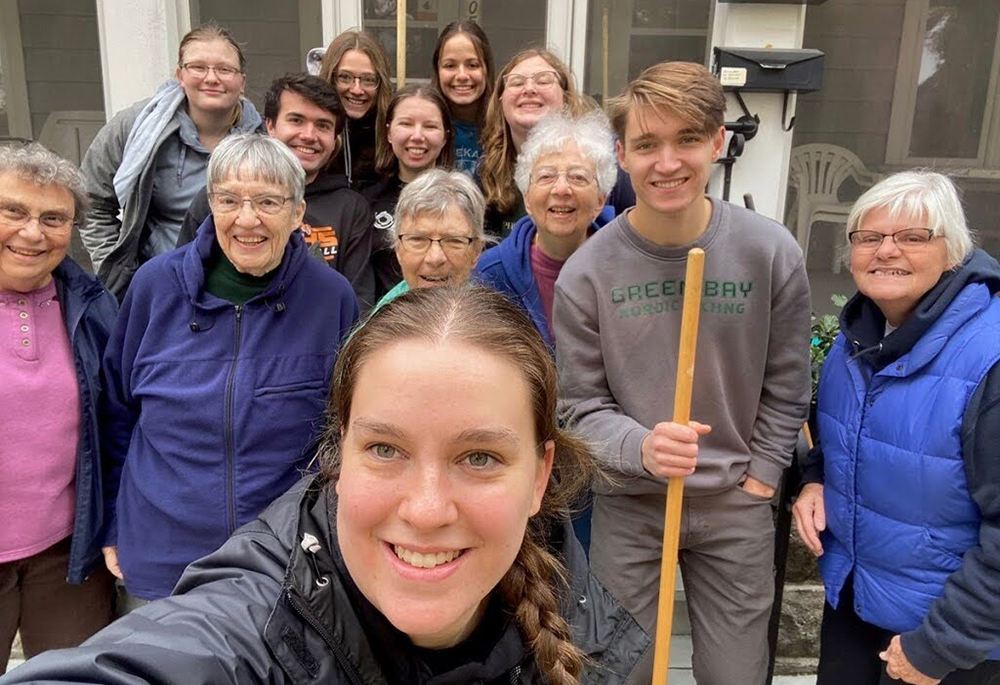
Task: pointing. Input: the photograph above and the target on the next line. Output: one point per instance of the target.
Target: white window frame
(15, 82)
(905, 97)
(565, 27)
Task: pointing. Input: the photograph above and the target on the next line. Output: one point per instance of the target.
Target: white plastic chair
(70, 133)
(817, 171)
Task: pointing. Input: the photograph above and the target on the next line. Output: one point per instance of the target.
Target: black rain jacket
(265, 609)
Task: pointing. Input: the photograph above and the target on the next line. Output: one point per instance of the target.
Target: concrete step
(680, 666)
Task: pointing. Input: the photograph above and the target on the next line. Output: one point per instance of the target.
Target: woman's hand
(671, 450)
(111, 561)
(899, 667)
(810, 516)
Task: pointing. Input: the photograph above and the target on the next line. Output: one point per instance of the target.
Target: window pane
(955, 67)
(641, 33)
(419, 49)
(273, 41)
(511, 25)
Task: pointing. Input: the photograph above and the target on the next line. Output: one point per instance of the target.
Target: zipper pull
(239, 312)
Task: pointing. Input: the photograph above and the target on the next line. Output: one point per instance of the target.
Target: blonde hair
(686, 89)
(487, 320)
(496, 167)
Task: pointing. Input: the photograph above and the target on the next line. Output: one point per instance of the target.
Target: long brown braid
(535, 583)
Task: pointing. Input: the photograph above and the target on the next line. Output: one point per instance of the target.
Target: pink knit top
(39, 424)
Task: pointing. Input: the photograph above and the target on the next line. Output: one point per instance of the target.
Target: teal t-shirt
(467, 149)
(399, 289)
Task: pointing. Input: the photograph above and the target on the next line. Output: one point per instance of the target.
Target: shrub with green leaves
(824, 331)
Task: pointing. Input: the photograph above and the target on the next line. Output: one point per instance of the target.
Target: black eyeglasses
(905, 239)
(452, 244)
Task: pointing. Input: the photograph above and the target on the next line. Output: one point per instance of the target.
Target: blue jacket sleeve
(963, 626)
(119, 411)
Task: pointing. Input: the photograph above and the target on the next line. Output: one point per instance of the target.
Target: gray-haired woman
(218, 370)
(565, 171)
(439, 231)
(903, 504)
(56, 320)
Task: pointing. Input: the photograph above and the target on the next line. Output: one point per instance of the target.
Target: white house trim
(566, 34)
(340, 15)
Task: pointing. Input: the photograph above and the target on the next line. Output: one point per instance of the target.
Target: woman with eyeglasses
(358, 67)
(902, 501)
(418, 135)
(463, 72)
(438, 231)
(217, 371)
(146, 165)
(565, 171)
(56, 320)
(533, 83)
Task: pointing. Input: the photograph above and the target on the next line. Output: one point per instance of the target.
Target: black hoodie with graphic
(337, 225)
(356, 156)
(964, 624)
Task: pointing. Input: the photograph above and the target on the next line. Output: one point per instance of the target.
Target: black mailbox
(772, 70)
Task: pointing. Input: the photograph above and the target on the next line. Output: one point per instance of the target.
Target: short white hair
(251, 156)
(592, 134)
(434, 192)
(919, 193)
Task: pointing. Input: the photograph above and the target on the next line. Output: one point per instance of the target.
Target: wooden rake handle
(675, 488)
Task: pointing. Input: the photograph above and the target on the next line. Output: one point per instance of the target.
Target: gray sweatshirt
(617, 318)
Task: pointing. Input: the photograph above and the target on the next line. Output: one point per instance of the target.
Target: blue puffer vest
(899, 513)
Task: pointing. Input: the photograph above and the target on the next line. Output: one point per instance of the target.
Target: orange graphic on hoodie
(325, 236)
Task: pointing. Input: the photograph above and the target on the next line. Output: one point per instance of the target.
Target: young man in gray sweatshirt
(617, 318)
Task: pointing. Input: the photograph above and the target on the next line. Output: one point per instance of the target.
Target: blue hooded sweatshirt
(507, 269)
(212, 409)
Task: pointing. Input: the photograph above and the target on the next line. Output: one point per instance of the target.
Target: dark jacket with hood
(88, 312)
(275, 605)
(382, 197)
(357, 153)
(964, 622)
(211, 408)
(337, 224)
(507, 268)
